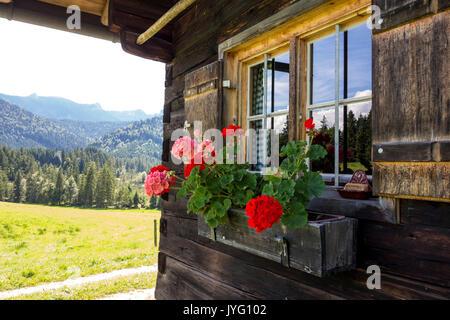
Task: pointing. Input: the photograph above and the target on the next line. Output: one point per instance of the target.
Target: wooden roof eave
(55, 17)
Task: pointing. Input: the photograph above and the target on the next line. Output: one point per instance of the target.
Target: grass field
(40, 244)
(96, 290)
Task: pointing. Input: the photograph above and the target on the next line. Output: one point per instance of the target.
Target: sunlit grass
(41, 244)
(96, 290)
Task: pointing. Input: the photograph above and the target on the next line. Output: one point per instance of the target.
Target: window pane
(280, 125)
(359, 61)
(322, 55)
(257, 89)
(256, 145)
(359, 138)
(278, 83)
(324, 121)
(260, 144)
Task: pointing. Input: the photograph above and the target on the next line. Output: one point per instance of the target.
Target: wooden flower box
(326, 245)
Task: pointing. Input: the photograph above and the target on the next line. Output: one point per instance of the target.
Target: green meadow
(41, 244)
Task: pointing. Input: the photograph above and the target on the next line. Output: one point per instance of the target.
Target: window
(268, 105)
(339, 98)
(330, 52)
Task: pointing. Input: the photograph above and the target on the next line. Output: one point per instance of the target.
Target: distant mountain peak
(58, 108)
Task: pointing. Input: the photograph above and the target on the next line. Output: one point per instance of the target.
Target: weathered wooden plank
(293, 67)
(398, 12)
(227, 264)
(246, 277)
(155, 49)
(415, 60)
(420, 180)
(271, 22)
(441, 151)
(331, 202)
(180, 226)
(205, 104)
(429, 213)
(402, 151)
(181, 282)
(411, 151)
(415, 251)
(320, 248)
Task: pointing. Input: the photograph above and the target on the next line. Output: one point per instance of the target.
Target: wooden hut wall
(413, 255)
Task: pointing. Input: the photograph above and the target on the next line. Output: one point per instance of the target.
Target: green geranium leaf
(268, 189)
(227, 204)
(316, 152)
(295, 216)
(213, 222)
(226, 180)
(311, 184)
(182, 193)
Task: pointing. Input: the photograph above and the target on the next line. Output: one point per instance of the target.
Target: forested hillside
(20, 128)
(142, 138)
(91, 130)
(82, 177)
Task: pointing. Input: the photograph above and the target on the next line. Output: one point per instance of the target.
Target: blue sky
(50, 62)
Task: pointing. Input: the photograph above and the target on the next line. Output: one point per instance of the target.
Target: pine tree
(153, 202)
(34, 187)
(136, 199)
(3, 184)
(58, 193)
(70, 191)
(90, 186)
(19, 188)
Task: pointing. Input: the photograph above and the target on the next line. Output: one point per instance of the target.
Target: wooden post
(164, 20)
(155, 240)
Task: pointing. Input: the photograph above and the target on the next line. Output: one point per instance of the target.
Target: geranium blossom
(263, 211)
(159, 181)
(232, 131)
(183, 149)
(188, 168)
(309, 124)
(204, 152)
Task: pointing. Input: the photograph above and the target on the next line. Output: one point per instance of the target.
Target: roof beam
(164, 20)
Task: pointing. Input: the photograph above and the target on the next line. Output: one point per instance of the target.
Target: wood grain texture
(425, 179)
(155, 49)
(90, 6)
(397, 12)
(319, 248)
(203, 96)
(411, 90)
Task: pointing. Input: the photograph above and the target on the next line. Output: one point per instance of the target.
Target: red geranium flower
(188, 168)
(231, 131)
(309, 124)
(159, 181)
(263, 211)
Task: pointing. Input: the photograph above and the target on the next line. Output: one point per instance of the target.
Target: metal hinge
(284, 253)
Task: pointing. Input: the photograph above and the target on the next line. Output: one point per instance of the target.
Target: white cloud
(50, 62)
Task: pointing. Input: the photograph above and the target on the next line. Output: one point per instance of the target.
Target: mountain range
(61, 126)
(61, 108)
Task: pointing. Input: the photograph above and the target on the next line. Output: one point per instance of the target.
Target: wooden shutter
(411, 104)
(203, 96)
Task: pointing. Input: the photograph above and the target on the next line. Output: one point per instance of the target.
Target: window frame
(265, 114)
(337, 102)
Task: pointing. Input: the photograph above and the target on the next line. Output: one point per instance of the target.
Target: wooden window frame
(294, 30)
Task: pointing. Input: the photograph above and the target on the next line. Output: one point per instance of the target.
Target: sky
(50, 62)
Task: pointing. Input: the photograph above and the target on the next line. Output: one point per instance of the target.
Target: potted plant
(275, 222)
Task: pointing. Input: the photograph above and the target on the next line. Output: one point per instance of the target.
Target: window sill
(375, 209)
